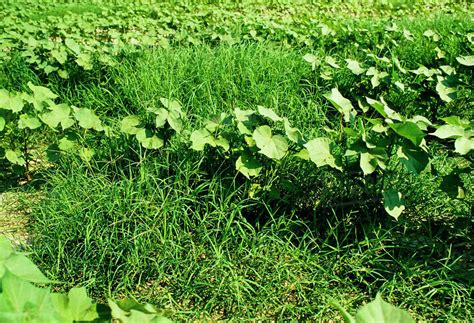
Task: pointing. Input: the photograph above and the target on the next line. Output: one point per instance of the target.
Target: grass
(179, 229)
(176, 230)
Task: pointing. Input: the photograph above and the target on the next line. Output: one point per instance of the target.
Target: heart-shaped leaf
(272, 146)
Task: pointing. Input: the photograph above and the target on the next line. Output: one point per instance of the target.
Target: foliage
(377, 311)
(22, 301)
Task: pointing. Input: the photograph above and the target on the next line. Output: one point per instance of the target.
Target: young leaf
(449, 131)
(248, 165)
(319, 150)
(170, 104)
(310, 58)
(409, 130)
(2, 123)
(464, 145)
(466, 60)
(72, 45)
(41, 93)
(174, 119)
(129, 125)
(382, 312)
(342, 104)
(85, 61)
(161, 117)
(87, 119)
(272, 146)
(14, 157)
(414, 159)
(269, 113)
(148, 139)
(22, 267)
(293, 133)
(58, 114)
(355, 67)
(393, 203)
(28, 121)
(331, 62)
(446, 93)
(76, 306)
(368, 163)
(199, 139)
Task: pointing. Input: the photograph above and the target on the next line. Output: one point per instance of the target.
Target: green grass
(179, 229)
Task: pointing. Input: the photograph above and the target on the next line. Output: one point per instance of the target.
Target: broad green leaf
(355, 67)
(11, 101)
(393, 203)
(129, 125)
(414, 159)
(148, 139)
(303, 154)
(28, 121)
(217, 121)
(22, 267)
(65, 144)
(409, 130)
(449, 131)
(76, 306)
(382, 108)
(293, 133)
(368, 163)
(87, 119)
(85, 61)
(161, 117)
(21, 301)
(131, 311)
(86, 154)
(466, 60)
(269, 113)
(456, 121)
(245, 122)
(60, 55)
(421, 122)
(379, 311)
(175, 121)
(6, 249)
(58, 114)
(2, 123)
(248, 165)
(199, 139)
(272, 146)
(431, 34)
(342, 104)
(446, 93)
(448, 70)
(331, 62)
(41, 93)
(63, 74)
(310, 58)
(170, 104)
(319, 150)
(72, 45)
(14, 157)
(452, 185)
(464, 145)
(377, 76)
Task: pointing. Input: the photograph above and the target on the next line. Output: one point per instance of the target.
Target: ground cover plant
(245, 161)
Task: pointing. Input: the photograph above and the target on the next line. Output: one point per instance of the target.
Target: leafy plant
(376, 311)
(22, 301)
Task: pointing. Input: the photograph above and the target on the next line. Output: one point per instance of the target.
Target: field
(255, 160)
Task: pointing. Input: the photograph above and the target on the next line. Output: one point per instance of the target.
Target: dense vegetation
(245, 161)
